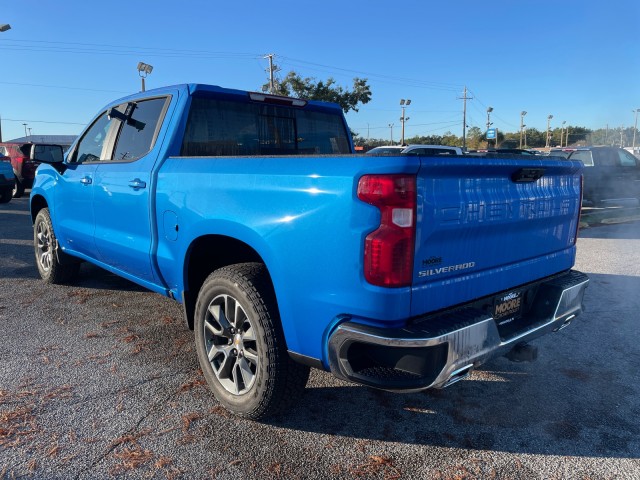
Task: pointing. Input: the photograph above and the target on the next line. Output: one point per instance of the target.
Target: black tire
(6, 195)
(241, 345)
(18, 188)
(54, 266)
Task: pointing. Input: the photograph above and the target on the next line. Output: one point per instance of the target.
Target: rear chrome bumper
(436, 351)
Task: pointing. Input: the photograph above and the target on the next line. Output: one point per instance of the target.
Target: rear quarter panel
(301, 215)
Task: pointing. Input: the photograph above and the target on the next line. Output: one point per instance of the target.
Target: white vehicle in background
(386, 150)
(415, 150)
(432, 150)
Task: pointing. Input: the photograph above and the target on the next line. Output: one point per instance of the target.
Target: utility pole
(272, 70)
(606, 135)
(522, 125)
(621, 142)
(464, 98)
(391, 127)
(404, 104)
(548, 130)
(562, 132)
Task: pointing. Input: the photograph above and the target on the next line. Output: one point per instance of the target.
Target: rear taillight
(575, 238)
(388, 251)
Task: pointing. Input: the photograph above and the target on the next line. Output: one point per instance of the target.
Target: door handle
(136, 184)
(86, 180)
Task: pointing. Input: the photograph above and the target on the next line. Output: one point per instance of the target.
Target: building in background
(64, 140)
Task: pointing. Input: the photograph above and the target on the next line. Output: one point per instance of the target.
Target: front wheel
(241, 345)
(54, 266)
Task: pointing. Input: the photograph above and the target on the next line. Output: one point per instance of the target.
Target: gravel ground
(100, 380)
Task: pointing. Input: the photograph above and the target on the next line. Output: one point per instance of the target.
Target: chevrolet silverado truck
(289, 251)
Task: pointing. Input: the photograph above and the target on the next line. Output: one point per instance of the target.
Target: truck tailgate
(485, 225)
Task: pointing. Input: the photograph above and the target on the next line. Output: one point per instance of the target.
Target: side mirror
(51, 154)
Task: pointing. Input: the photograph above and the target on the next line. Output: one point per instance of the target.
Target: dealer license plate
(508, 307)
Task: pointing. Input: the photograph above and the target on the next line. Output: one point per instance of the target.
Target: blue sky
(578, 61)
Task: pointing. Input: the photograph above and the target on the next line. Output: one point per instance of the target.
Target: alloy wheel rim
(231, 344)
(43, 236)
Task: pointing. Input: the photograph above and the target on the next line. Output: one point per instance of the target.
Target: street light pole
(522, 114)
(391, 127)
(635, 127)
(489, 110)
(548, 130)
(3, 28)
(25, 130)
(562, 132)
(404, 104)
(144, 69)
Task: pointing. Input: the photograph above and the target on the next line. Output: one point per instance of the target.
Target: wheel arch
(38, 202)
(207, 254)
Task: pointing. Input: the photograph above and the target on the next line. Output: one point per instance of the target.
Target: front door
(122, 199)
(74, 214)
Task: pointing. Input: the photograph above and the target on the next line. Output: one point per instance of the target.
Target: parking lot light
(144, 69)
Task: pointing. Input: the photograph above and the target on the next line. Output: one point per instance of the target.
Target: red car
(24, 169)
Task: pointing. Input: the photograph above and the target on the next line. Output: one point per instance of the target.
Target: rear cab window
(221, 127)
(584, 156)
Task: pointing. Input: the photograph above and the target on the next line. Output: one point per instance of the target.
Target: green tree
(475, 138)
(327, 91)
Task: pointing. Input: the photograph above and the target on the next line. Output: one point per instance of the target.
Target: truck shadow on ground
(580, 398)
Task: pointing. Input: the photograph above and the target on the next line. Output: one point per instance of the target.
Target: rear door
(488, 224)
(123, 189)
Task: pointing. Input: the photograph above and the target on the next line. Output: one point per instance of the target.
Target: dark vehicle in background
(6, 180)
(610, 174)
(562, 152)
(24, 169)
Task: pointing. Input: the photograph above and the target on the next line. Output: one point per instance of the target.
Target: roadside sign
(491, 133)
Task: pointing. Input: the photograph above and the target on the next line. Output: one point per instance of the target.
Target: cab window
(91, 146)
(139, 128)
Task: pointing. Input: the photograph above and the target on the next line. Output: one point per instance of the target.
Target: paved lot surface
(100, 380)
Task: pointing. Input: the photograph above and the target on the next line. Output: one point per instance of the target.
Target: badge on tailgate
(507, 308)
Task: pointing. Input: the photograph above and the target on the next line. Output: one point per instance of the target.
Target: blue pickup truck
(289, 251)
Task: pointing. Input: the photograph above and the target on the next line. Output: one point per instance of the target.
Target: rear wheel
(53, 266)
(241, 345)
(18, 188)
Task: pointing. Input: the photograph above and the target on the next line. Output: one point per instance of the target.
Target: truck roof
(192, 88)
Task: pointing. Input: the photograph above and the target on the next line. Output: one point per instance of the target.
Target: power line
(64, 87)
(381, 77)
(73, 47)
(41, 121)
(494, 113)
